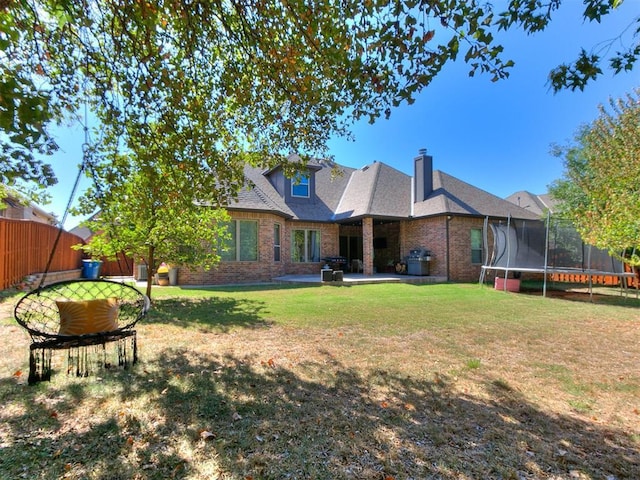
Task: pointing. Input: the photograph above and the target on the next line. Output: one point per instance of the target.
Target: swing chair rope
(62, 222)
(86, 166)
(121, 257)
(85, 149)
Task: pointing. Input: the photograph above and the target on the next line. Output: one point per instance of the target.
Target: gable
(267, 191)
(376, 190)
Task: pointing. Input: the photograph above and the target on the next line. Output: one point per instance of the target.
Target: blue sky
(496, 136)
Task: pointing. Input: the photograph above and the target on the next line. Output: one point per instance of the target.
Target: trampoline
(550, 246)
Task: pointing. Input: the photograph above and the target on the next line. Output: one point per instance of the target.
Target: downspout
(413, 196)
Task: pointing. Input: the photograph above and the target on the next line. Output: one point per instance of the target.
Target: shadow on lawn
(240, 287)
(580, 293)
(218, 313)
(190, 415)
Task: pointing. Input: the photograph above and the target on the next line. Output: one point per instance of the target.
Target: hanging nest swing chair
(84, 317)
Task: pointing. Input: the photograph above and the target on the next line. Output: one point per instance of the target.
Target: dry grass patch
(368, 382)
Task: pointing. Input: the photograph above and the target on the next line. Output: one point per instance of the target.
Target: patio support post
(367, 246)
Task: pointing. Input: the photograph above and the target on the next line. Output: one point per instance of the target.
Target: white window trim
(296, 182)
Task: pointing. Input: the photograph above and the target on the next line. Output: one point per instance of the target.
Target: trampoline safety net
(551, 246)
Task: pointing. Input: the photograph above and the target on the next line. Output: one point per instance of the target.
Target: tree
(599, 190)
(26, 111)
(262, 76)
(151, 210)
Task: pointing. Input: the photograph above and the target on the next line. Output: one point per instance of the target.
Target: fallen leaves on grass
(269, 363)
(207, 435)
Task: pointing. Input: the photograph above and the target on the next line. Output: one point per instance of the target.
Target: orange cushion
(88, 316)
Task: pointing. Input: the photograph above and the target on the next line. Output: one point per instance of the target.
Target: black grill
(418, 261)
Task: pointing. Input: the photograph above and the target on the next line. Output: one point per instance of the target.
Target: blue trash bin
(91, 268)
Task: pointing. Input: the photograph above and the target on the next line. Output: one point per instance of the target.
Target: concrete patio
(349, 279)
(361, 279)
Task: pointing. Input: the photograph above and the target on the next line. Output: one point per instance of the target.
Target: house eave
(260, 210)
(470, 215)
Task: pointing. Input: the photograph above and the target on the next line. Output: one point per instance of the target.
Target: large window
(305, 246)
(476, 245)
(300, 186)
(276, 242)
(242, 245)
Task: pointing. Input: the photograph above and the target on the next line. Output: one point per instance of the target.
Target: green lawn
(392, 381)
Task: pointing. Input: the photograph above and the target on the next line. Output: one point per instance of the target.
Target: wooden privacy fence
(25, 248)
(120, 267)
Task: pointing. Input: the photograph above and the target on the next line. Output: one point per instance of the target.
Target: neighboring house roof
(16, 208)
(538, 204)
(453, 196)
(83, 232)
(375, 190)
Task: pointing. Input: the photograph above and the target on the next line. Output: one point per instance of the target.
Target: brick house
(375, 215)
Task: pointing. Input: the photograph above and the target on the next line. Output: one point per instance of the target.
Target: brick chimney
(423, 176)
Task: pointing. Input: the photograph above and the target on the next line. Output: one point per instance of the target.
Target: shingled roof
(375, 190)
(538, 204)
(452, 196)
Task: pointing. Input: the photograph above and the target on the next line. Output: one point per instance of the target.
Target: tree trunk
(150, 269)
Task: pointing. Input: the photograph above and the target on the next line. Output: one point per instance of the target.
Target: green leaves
(599, 191)
(576, 75)
(262, 76)
(533, 16)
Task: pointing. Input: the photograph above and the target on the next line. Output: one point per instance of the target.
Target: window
(300, 186)
(305, 246)
(242, 245)
(276, 242)
(476, 245)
